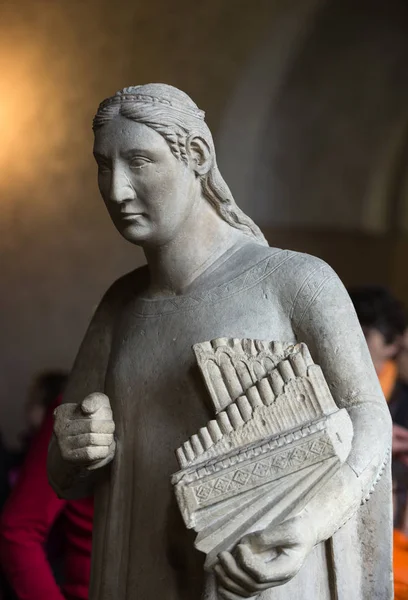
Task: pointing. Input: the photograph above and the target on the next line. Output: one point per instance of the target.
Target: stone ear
(199, 153)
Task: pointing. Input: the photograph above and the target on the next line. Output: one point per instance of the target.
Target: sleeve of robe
(324, 318)
(87, 376)
(28, 516)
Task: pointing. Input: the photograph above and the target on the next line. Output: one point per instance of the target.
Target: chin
(135, 238)
(135, 234)
(142, 235)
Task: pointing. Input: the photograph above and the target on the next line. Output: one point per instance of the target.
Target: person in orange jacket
(383, 321)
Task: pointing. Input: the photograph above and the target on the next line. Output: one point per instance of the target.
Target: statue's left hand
(264, 560)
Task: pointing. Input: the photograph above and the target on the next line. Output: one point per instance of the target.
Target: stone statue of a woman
(135, 393)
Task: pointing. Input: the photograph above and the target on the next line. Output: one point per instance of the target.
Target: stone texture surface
(211, 275)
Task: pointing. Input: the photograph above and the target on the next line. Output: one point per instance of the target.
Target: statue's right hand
(85, 432)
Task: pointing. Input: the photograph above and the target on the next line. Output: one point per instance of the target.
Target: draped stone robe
(138, 351)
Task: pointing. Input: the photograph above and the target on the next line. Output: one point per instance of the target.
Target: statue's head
(155, 154)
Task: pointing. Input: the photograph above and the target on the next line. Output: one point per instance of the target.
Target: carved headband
(146, 99)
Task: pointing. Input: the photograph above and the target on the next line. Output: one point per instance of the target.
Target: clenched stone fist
(84, 432)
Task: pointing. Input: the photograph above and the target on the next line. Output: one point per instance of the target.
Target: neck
(202, 239)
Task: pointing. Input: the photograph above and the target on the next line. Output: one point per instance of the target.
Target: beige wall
(58, 60)
(58, 250)
(323, 105)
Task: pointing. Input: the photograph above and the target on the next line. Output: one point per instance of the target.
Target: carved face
(147, 190)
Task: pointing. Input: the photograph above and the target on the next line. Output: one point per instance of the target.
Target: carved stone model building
(278, 438)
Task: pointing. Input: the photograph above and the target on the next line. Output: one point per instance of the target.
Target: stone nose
(121, 189)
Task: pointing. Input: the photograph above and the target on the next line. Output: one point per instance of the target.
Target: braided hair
(172, 114)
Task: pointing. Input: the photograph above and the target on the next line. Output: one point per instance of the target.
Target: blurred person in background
(43, 391)
(45, 542)
(399, 397)
(399, 412)
(383, 320)
(6, 592)
(4, 474)
(45, 388)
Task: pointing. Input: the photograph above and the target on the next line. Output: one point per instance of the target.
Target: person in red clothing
(29, 514)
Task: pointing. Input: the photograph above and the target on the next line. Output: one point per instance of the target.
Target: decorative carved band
(266, 467)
